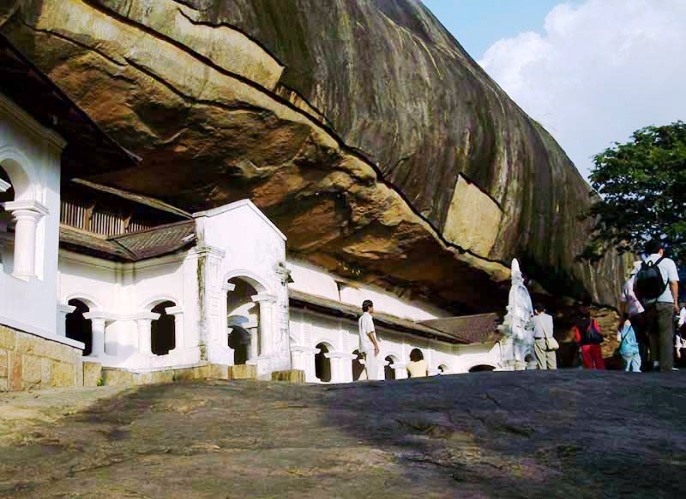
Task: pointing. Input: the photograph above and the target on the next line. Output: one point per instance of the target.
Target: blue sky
(590, 71)
(477, 24)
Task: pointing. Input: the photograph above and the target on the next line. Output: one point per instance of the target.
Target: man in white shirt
(660, 312)
(543, 328)
(368, 342)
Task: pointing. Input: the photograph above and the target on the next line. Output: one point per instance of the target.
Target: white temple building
(136, 285)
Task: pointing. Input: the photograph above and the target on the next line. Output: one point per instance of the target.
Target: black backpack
(592, 334)
(648, 283)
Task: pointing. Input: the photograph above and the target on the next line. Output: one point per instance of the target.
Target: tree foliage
(642, 185)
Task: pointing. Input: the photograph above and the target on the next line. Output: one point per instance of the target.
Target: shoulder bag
(551, 343)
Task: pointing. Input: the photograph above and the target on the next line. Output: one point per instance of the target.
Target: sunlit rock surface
(362, 129)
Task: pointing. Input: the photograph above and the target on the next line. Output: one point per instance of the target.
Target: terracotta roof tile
(131, 247)
(470, 328)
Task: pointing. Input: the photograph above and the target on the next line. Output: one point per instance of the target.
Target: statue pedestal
(520, 365)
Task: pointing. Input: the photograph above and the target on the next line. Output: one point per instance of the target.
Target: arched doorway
(239, 342)
(242, 319)
(17, 185)
(6, 194)
(358, 366)
(163, 329)
(388, 369)
(79, 328)
(481, 368)
(322, 364)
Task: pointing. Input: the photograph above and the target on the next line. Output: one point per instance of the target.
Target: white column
(341, 366)
(253, 344)
(144, 336)
(98, 328)
(62, 312)
(400, 370)
(179, 339)
(266, 303)
(27, 214)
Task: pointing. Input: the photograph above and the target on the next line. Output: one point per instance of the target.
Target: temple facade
(90, 273)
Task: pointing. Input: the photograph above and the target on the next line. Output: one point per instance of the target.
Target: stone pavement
(531, 434)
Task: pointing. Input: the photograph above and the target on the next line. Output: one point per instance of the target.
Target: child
(628, 348)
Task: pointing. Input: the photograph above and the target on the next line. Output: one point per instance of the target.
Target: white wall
(244, 244)
(316, 281)
(123, 293)
(31, 151)
(309, 329)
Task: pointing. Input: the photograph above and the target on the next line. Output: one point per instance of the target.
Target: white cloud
(598, 70)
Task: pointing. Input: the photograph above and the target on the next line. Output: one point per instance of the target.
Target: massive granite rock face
(362, 128)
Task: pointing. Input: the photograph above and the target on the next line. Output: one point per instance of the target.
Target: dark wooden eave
(131, 247)
(89, 150)
(335, 308)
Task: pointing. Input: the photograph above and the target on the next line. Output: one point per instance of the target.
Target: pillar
(26, 214)
(254, 349)
(266, 303)
(144, 336)
(341, 366)
(400, 370)
(179, 335)
(98, 329)
(62, 312)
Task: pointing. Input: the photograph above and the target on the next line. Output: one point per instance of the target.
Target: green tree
(642, 185)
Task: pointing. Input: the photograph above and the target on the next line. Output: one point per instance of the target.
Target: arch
(322, 364)
(242, 312)
(163, 329)
(151, 303)
(85, 298)
(251, 278)
(481, 368)
(388, 370)
(77, 327)
(357, 365)
(23, 176)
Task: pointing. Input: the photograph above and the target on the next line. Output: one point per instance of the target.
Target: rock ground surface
(534, 434)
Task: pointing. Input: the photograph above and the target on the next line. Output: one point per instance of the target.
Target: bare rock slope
(530, 434)
(362, 128)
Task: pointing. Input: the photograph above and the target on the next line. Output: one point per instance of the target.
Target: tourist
(544, 343)
(587, 334)
(369, 345)
(633, 311)
(628, 347)
(680, 340)
(659, 292)
(417, 367)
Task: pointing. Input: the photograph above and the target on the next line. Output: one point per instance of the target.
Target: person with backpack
(657, 287)
(588, 336)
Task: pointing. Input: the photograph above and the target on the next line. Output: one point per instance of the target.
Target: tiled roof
(335, 308)
(470, 328)
(131, 247)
